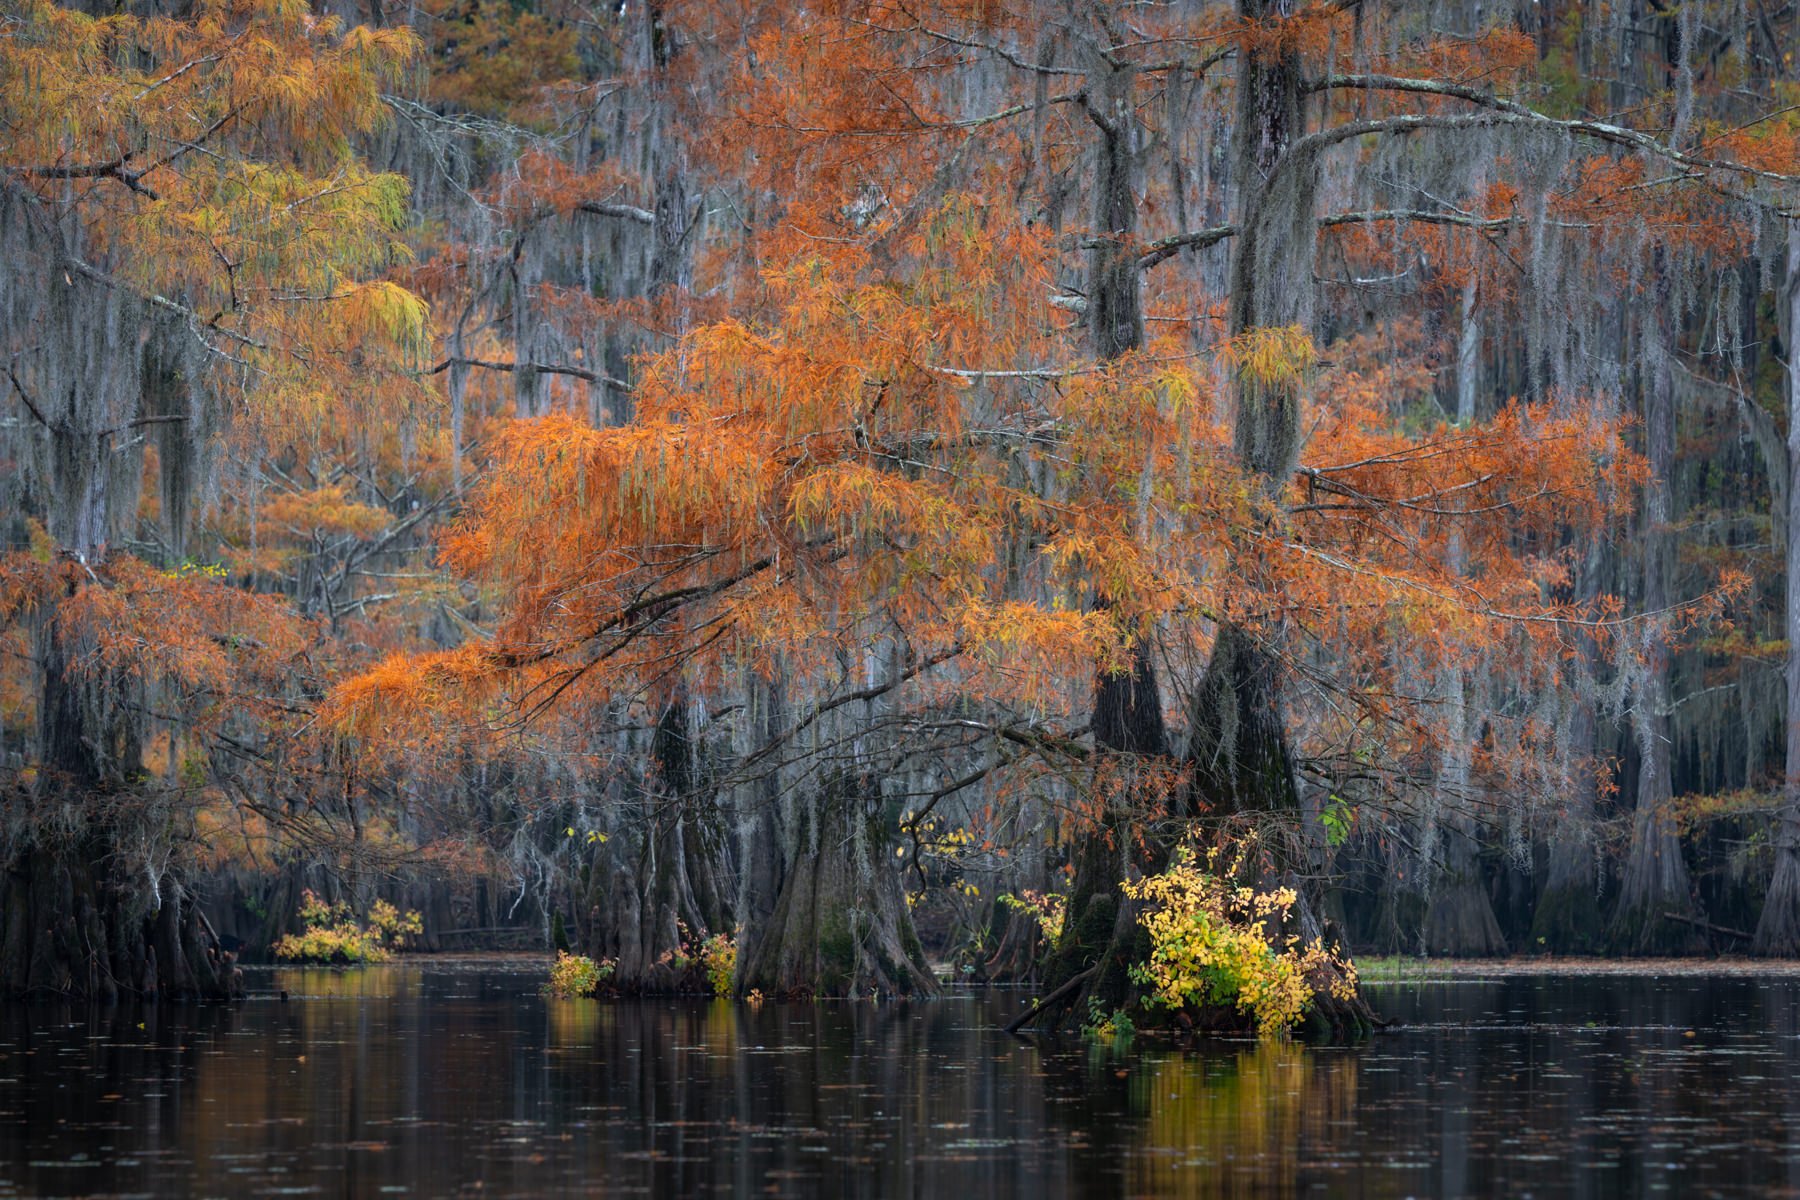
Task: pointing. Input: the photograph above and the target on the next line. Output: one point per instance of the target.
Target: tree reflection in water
(433, 1076)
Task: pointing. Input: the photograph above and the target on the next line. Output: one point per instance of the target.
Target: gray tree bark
(1778, 927)
(1655, 879)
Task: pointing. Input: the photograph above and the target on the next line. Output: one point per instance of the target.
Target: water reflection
(449, 1077)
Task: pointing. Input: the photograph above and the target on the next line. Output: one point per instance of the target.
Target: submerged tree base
(1654, 929)
(70, 930)
(1193, 948)
(840, 924)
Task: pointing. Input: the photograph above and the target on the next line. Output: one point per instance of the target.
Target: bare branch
(116, 169)
(623, 212)
(542, 368)
(1198, 239)
(1512, 112)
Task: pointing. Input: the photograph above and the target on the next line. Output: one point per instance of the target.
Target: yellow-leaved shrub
(1211, 946)
(332, 933)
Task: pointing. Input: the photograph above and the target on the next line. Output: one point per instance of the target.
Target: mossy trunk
(1238, 758)
(1459, 916)
(1778, 927)
(653, 894)
(839, 924)
(78, 920)
(1656, 904)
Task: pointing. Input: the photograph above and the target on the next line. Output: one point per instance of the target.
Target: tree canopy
(801, 474)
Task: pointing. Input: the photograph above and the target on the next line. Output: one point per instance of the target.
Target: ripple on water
(430, 1077)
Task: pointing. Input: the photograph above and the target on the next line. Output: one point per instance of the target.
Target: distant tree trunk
(1568, 918)
(1115, 290)
(1778, 928)
(671, 258)
(1655, 880)
(1459, 917)
(1468, 353)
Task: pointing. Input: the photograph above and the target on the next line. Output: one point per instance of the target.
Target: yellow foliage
(332, 933)
(1211, 944)
(718, 958)
(1271, 356)
(222, 181)
(1046, 908)
(576, 975)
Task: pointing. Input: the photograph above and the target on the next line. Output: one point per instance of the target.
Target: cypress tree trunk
(1237, 745)
(1459, 916)
(95, 859)
(1239, 751)
(653, 894)
(1655, 881)
(820, 899)
(71, 924)
(1778, 928)
(1238, 742)
(839, 925)
(1100, 930)
(1567, 919)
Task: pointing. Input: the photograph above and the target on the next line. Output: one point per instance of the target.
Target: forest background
(865, 481)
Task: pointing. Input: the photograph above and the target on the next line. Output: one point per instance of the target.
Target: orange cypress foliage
(206, 161)
(219, 652)
(848, 468)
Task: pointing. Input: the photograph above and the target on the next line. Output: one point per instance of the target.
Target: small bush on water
(577, 975)
(718, 957)
(1115, 1026)
(1210, 948)
(332, 933)
(712, 964)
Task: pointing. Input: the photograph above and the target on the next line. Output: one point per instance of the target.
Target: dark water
(457, 1078)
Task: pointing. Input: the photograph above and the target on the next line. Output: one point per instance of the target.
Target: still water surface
(439, 1078)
